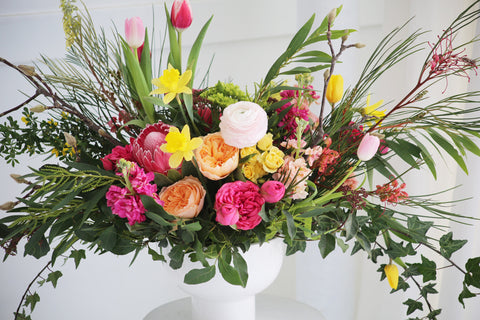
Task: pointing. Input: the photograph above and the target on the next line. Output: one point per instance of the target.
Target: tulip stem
(179, 40)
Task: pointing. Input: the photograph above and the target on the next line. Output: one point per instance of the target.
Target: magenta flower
(181, 15)
(110, 161)
(368, 147)
(134, 32)
(146, 148)
(272, 191)
(125, 205)
(239, 203)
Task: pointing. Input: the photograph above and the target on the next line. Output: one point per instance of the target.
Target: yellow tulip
(335, 89)
(391, 271)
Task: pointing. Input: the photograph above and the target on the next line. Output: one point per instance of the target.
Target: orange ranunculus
(184, 198)
(215, 158)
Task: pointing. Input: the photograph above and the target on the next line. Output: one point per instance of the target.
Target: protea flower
(146, 148)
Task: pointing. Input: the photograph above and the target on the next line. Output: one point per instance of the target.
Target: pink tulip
(368, 147)
(134, 32)
(181, 15)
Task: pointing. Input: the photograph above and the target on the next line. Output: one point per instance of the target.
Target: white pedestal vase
(219, 300)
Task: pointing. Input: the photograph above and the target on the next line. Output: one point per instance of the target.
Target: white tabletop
(268, 307)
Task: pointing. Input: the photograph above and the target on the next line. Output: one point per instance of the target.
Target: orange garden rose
(215, 158)
(183, 199)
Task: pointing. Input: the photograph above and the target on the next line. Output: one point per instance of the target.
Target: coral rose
(239, 203)
(243, 124)
(146, 148)
(184, 198)
(215, 158)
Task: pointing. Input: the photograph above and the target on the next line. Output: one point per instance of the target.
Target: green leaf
(428, 269)
(155, 255)
(449, 246)
(77, 256)
(200, 255)
(229, 273)
(176, 257)
(428, 289)
(396, 250)
(418, 229)
(342, 244)
(468, 144)
(407, 151)
(351, 226)
(195, 51)
(37, 245)
(175, 57)
(174, 175)
(425, 154)
(108, 238)
(326, 244)
(433, 314)
(241, 266)
(465, 294)
(447, 146)
(138, 122)
(413, 305)
(364, 243)
(472, 277)
(146, 62)
(31, 300)
(291, 228)
(296, 70)
(141, 86)
(196, 276)
(53, 277)
(195, 226)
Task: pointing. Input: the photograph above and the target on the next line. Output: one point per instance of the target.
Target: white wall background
(245, 37)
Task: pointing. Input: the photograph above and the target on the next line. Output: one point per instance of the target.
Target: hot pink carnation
(238, 203)
(146, 148)
(272, 191)
(110, 161)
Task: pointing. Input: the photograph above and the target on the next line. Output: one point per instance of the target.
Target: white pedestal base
(268, 307)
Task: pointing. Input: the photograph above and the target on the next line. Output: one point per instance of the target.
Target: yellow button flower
(335, 88)
(180, 145)
(391, 271)
(171, 83)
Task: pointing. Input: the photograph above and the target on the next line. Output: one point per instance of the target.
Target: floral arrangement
(149, 162)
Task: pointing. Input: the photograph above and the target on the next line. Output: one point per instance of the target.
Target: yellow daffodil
(391, 271)
(172, 83)
(180, 145)
(371, 111)
(335, 89)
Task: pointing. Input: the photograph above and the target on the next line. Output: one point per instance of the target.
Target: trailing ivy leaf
(342, 244)
(199, 254)
(364, 243)
(433, 314)
(326, 244)
(351, 226)
(428, 289)
(397, 250)
(418, 229)
(37, 245)
(176, 257)
(449, 246)
(196, 276)
(296, 246)
(53, 277)
(428, 269)
(77, 256)
(465, 294)
(413, 305)
(31, 300)
(472, 277)
(291, 227)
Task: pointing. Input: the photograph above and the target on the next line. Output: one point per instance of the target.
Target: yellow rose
(215, 158)
(272, 159)
(253, 170)
(266, 142)
(245, 152)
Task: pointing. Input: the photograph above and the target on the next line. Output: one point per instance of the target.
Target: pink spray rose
(368, 147)
(134, 32)
(181, 15)
(272, 191)
(146, 148)
(243, 124)
(238, 203)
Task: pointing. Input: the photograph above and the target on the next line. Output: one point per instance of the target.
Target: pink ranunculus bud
(272, 191)
(181, 15)
(134, 32)
(368, 147)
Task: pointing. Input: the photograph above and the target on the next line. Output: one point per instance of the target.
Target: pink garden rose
(272, 191)
(368, 147)
(146, 148)
(243, 124)
(239, 203)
